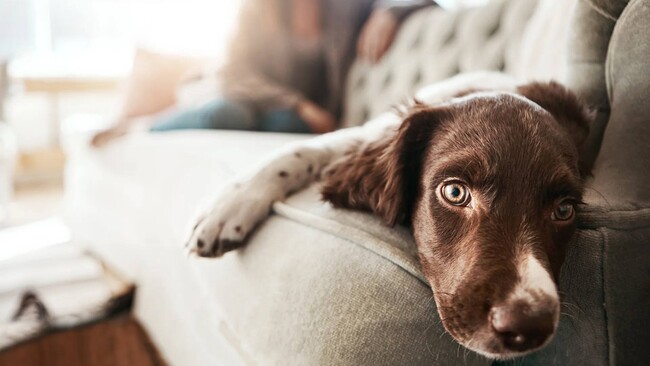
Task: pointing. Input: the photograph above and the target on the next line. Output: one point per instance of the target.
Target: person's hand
(377, 35)
(320, 120)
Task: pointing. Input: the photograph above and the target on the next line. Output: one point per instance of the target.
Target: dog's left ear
(384, 177)
(570, 112)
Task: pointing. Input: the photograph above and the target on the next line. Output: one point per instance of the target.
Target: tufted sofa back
(434, 44)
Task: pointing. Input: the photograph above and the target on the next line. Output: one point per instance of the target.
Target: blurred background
(67, 60)
(91, 43)
(66, 57)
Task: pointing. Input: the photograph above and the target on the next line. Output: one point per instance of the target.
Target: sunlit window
(103, 33)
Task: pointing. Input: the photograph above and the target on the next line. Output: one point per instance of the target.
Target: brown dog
(488, 182)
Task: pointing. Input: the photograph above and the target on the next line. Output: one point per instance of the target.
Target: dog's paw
(226, 224)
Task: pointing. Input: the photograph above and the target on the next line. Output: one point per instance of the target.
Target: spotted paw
(227, 223)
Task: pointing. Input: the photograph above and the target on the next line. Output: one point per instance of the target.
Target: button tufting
(418, 78)
(365, 113)
(450, 38)
(387, 79)
(494, 30)
(360, 82)
(417, 40)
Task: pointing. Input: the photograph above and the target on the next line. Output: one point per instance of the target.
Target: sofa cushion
(152, 83)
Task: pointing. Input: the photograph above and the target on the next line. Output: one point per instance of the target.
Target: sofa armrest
(610, 49)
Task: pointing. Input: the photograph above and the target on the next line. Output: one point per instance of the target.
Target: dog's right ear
(570, 112)
(384, 176)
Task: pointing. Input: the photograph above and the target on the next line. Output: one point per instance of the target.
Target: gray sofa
(319, 286)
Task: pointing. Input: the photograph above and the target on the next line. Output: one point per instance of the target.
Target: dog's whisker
(569, 316)
(571, 306)
(424, 335)
(567, 303)
(600, 194)
(442, 334)
(466, 350)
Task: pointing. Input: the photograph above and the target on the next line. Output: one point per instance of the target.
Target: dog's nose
(519, 327)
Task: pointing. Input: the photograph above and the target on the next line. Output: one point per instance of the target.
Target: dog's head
(489, 183)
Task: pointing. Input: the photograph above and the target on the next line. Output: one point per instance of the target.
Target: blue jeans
(224, 114)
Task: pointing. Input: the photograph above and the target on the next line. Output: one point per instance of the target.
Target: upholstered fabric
(622, 172)
(432, 45)
(589, 42)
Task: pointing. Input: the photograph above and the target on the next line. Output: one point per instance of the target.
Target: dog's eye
(455, 193)
(564, 211)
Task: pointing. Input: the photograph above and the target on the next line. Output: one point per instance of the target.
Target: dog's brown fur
(519, 161)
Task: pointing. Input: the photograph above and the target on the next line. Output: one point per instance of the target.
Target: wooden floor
(116, 341)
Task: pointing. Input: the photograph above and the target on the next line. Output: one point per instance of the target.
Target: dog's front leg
(238, 209)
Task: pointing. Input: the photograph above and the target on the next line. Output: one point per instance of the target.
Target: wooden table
(54, 86)
(115, 341)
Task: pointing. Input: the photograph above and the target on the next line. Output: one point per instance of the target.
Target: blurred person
(286, 67)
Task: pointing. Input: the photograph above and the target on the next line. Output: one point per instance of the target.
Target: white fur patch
(534, 278)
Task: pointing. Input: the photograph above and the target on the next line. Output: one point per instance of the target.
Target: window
(112, 28)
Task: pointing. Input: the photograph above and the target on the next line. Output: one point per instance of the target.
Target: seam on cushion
(220, 320)
(605, 241)
(332, 227)
(604, 209)
(613, 219)
(235, 342)
(600, 11)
